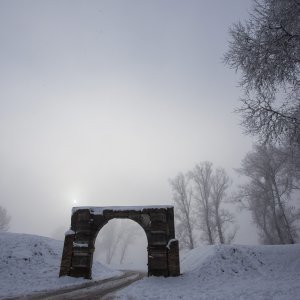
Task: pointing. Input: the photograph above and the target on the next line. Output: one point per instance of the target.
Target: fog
(101, 102)
(122, 244)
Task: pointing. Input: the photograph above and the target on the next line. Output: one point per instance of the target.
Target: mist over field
(103, 102)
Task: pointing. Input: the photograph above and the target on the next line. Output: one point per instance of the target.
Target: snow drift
(228, 272)
(30, 263)
(219, 261)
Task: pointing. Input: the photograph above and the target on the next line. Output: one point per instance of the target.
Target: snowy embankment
(228, 272)
(30, 263)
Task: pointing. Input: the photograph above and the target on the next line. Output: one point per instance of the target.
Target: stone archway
(86, 222)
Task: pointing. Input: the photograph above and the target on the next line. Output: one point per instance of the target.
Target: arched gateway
(86, 222)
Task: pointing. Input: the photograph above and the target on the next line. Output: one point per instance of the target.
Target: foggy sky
(103, 101)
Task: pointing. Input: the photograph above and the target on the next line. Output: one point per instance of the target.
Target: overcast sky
(101, 102)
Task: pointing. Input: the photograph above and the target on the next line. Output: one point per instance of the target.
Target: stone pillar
(66, 259)
(173, 258)
(83, 244)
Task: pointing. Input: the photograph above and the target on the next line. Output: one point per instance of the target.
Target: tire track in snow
(90, 291)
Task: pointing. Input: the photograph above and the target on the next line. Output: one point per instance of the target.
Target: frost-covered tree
(268, 192)
(209, 194)
(222, 217)
(266, 50)
(202, 179)
(109, 241)
(182, 197)
(129, 234)
(4, 219)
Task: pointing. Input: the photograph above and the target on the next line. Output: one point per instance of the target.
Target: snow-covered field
(30, 263)
(228, 272)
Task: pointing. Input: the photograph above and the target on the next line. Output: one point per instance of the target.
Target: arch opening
(122, 244)
(156, 221)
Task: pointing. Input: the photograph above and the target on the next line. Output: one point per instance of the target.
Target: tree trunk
(209, 233)
(275, 218)
(191, 240)
(287, 225)
(219, 227)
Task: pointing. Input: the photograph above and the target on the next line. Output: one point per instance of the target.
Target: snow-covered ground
(30, 263)
(227, 272)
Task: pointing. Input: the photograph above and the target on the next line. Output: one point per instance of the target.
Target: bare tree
(129, 234)
(223, 218)
(182, 197)
(202, 178)
(109, 240)
(268, 193)
(266, 50)
(4, 219)
(115, 239)
(209, 193)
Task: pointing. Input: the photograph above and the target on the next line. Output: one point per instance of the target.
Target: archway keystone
(86, 222)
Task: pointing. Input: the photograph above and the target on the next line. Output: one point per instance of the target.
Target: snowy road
(94, 290)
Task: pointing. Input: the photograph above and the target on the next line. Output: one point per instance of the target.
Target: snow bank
(223, 261)
(30, 263)
(228, 272)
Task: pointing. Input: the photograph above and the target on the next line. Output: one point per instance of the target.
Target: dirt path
(94, 290)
